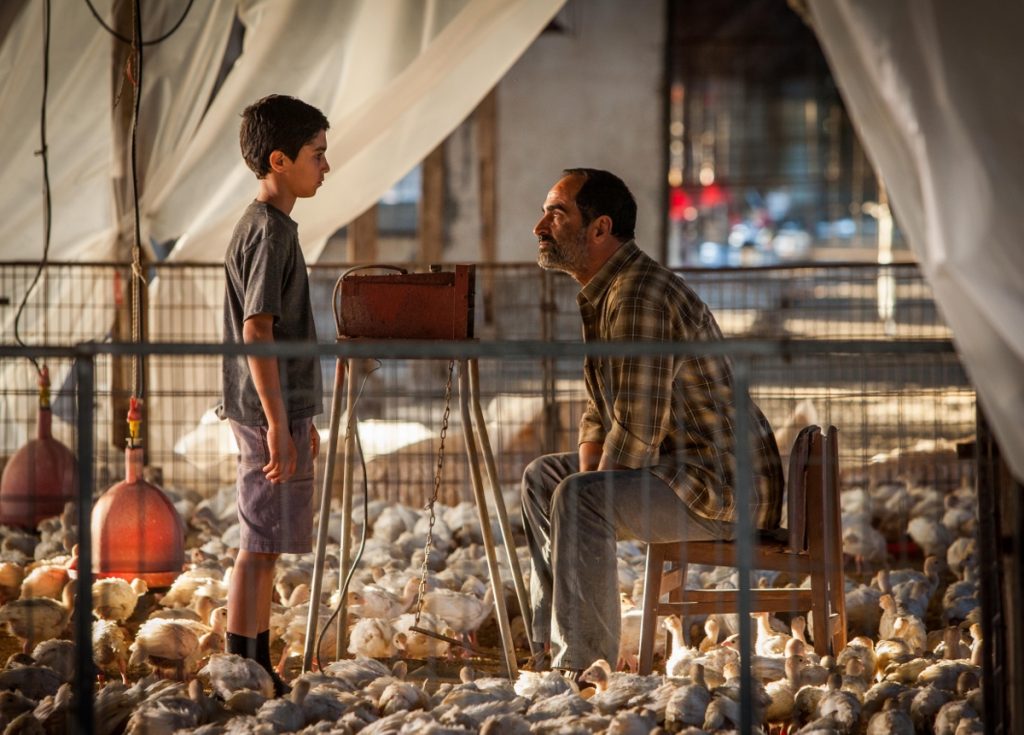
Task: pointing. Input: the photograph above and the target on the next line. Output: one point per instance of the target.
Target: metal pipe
(312, 620)
(485, 526)
(549, 365)
(480, 427)
(85, 372)
(744, 534)
(346, 509)
(520, 349)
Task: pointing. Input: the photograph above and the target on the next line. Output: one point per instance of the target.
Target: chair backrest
(830, 489)
(806, 455)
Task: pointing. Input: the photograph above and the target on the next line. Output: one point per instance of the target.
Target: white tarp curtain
(934, 89)
(393, 76)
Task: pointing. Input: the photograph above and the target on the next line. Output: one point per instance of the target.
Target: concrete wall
(590, 96)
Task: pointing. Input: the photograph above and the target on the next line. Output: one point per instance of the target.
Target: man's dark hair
(604, 193)
(277, 122)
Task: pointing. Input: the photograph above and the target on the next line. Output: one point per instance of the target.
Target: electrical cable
(343, 593)
(138, 277)
(153, 42)
(47, 202)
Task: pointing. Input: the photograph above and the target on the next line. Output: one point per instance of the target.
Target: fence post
(85, 371)
(744, 531)
(548, 365)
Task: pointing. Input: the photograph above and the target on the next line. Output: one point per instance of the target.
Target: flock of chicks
(911, 666)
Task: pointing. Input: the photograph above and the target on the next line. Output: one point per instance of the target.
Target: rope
(47, 203)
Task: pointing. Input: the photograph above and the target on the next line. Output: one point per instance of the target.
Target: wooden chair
(812, 544)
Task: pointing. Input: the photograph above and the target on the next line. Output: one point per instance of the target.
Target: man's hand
(314, 441)
(590, 456)
(283, 457)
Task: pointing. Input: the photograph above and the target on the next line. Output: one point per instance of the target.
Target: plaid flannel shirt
(670, 413)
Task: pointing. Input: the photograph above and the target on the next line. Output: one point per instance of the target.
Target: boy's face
(305, 174)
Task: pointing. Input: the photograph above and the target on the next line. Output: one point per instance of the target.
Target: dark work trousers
(573, 520)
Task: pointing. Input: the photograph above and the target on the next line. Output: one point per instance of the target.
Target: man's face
(561, 234)
(306, 173)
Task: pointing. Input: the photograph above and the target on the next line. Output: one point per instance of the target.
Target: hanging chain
(433, 497)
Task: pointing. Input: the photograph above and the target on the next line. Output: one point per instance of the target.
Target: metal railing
(863, 357)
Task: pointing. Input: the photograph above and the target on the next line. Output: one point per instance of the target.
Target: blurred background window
(764, 166)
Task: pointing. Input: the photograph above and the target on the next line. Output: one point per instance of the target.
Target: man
(656, 446)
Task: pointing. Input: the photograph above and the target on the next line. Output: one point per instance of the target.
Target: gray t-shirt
(266, 274)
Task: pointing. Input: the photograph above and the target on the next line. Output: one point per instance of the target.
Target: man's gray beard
(557, 258)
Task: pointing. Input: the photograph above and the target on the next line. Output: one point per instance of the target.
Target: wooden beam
(123, 367)
(361, 244)
(432, 207)
(486, 121)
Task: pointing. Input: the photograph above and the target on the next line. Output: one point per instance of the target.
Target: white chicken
(45, 580)
(285, 714)
(11, 577)
(463, 613)
(115, 599)
(110, 648)
(227, 673)
(171, 647)
(680, 656)
(769, 642)
(930, 534)
(374, 601)
(183, 589)
(413, 644)
(59, 655)
(372, 637)
(37, 619)
(294, 636)
(688, 704)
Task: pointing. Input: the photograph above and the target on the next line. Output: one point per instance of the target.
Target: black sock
(242, 645)
(263, 649)
(263, 659)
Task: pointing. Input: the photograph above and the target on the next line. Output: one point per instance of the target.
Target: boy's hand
(282, 462)
(314, 441)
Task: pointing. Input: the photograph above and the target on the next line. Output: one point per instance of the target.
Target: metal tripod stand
(431, 305)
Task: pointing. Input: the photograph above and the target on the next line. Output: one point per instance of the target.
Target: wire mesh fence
(901, 406)
(83, 302)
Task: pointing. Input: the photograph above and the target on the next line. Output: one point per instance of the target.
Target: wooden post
(432, 207)
(361, 246)
(1000, 524)
(486, 120)
(121, 383)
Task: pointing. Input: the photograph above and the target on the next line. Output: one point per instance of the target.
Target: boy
(271, 402)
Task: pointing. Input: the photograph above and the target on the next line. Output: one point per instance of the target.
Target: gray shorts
(274, 518)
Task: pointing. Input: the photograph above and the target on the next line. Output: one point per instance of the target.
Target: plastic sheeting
(394, 77)
(934, 91)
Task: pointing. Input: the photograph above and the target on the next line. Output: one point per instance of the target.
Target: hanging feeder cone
(41, 476)
(136, 530)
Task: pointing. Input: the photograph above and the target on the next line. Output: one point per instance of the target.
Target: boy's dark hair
(277, 122)
(604, 193)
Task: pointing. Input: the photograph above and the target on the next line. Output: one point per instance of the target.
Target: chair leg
(837, 595)
(820, 607)
(649, 611)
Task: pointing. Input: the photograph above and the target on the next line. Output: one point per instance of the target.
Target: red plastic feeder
(136, 530)
(41, 476)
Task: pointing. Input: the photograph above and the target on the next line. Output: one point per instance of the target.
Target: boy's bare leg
(250, 593)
